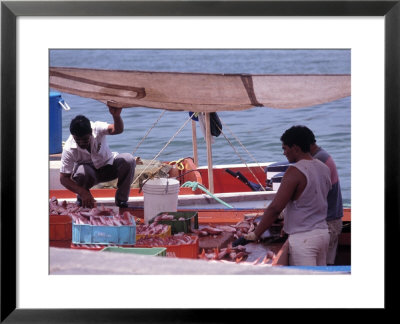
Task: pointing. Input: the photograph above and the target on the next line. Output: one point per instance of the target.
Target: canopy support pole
(209, 153)
(194, 141)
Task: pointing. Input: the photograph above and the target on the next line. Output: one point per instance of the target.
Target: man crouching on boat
(87, 160)
(303, 191)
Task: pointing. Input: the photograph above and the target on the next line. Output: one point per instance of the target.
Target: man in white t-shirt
(87, 160)
(303, 192)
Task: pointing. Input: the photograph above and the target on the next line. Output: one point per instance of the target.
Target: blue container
(55, 125)
(94, 234)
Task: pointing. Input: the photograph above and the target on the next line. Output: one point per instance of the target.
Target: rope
(170, 140)
(179, 164)
(244, 162)
(195, 185)
(144, 137)
(254, 159)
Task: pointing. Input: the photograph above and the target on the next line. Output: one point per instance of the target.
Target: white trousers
(335, 228)
(309, 248)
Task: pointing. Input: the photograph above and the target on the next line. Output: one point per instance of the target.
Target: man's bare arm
(285, 193)
(87, 198)
(118, 126)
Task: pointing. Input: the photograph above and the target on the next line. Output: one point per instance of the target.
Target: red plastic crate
(189, 251)
(60, 228)
(61, 244)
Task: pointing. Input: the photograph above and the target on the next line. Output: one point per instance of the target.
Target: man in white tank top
(303, 191)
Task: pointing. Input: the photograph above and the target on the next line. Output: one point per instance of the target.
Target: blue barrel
(55, 125)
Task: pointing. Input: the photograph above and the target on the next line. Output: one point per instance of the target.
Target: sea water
(257, 129)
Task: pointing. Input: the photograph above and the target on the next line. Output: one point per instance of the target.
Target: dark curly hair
(80, 126)
(298, 135)
(311, 136)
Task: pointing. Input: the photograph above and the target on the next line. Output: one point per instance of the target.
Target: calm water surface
(258, 129)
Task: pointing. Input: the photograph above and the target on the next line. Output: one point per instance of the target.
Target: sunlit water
(258, 129)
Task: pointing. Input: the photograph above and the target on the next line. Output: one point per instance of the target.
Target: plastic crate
(154, 251)
(191, 221)
(94, 234)
(60, 228)
(189, 251)
(60, 244)
(166, 233)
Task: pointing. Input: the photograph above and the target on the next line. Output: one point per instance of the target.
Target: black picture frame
(10, 10)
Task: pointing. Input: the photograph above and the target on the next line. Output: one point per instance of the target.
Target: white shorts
(335, 228)
(309, 248)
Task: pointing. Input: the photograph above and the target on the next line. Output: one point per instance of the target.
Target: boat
(221, 193)
(243, 202)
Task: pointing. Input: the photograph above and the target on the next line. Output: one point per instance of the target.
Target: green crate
(155, 251)
(191, 221)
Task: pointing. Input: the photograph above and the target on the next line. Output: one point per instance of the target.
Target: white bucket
(160, 195)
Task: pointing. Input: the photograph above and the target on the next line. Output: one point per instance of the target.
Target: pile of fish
(166, 216)
(238, 230)
(95, 246)
(103, 216)
(99, 216)
(62, 209)
(88, 246)
(236, 254)
(177, 239)
(230, 254)
(151, 229)
(99, 220)
(246, 226)
(207, 230)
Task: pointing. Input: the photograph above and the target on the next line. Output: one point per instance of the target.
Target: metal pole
(209, 154)
(194, 141)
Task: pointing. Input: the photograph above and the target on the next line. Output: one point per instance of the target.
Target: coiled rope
(170, 140)
(195, 185)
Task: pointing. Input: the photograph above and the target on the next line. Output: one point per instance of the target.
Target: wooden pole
(194, 141)
(209, 154)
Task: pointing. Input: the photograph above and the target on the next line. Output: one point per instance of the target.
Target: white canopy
(200, 92)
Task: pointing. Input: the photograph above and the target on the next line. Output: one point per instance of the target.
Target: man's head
(310, 135)
(81, 131)
(296, 140)
(313, 141)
